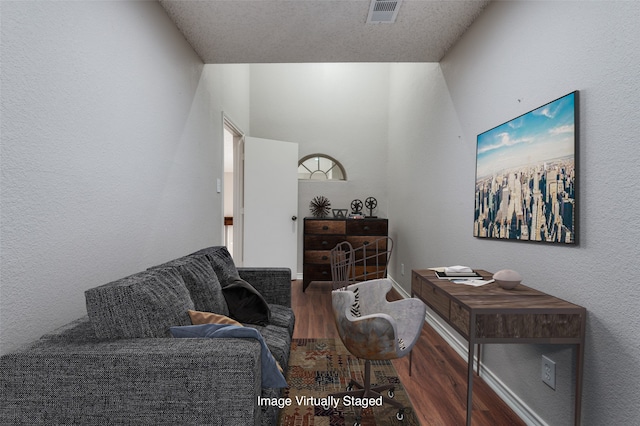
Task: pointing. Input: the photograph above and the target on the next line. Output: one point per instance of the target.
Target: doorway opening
(233, 194)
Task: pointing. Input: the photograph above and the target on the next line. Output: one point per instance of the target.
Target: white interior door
(270, 203)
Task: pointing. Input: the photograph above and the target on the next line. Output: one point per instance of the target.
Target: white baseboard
(507, 395)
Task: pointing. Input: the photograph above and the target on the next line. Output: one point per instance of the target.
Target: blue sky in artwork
(541, 135)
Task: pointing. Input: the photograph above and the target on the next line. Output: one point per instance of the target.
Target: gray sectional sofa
(120, 365)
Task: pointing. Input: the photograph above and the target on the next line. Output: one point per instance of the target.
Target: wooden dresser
(321, 235)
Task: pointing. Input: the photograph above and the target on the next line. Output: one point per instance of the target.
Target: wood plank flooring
(437, 386)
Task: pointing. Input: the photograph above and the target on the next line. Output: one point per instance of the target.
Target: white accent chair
(373, 328)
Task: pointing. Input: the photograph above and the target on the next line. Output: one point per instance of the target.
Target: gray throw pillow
(201, 281)
(145, 304)
(222, 263)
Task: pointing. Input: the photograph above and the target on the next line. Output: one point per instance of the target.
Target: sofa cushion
(145, 304)
(198, 318)
(222, 263)
(282, 316)
(278, 340)
(201, 281)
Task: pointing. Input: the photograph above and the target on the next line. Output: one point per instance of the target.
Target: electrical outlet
(549, 372)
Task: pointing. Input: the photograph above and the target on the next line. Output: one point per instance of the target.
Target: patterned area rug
(318, 367)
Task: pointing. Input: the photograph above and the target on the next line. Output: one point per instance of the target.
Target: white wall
(336, 109)
(428, 183)
(230, 87)
(109, 154)
(516, 57)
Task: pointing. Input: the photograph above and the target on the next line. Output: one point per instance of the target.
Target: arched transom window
(320, 167)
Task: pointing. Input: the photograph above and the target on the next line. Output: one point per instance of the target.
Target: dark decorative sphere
(320, 206)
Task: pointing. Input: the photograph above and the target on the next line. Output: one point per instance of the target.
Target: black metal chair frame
(372, 258)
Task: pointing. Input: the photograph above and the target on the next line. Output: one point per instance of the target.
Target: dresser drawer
(317, 256)
(359, 241)
(371, 257)
(367, 227)
(317, 272)
(322, 242)
(371, 272)
(325, 227)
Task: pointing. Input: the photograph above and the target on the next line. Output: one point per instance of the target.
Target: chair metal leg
(366, 391)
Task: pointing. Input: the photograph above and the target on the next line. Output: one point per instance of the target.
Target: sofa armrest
(273, 283)
(160, 381)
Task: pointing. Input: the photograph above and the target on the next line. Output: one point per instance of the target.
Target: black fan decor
(356, 206)
(371, 203)
(320, 206)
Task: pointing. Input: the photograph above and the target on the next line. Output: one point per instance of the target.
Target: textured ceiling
(282, 31)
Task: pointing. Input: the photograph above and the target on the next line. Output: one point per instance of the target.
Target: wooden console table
(490, 314)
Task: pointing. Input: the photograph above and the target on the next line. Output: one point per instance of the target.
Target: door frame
(238, 187)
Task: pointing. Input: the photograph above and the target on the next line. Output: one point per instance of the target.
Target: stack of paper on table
(456, 272)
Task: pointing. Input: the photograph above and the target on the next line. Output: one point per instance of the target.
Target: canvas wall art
(526, 176)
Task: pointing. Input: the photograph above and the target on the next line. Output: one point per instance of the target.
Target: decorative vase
(507, 278)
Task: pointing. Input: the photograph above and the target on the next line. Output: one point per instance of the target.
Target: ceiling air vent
(383, 11)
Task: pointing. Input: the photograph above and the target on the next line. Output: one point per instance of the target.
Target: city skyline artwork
(525, 185)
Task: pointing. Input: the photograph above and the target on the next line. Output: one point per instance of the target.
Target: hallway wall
(516, 57)
(109, 159)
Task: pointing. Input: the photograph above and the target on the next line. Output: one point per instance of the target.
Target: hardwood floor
(437, 386)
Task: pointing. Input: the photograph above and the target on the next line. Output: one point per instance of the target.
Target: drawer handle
(325, 228)
(366, 243)
(324, 258)
(325, 273)
(324, 243)
(366, 228)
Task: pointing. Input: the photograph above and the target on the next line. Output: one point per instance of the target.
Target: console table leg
(578, 397)
(470, 382)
